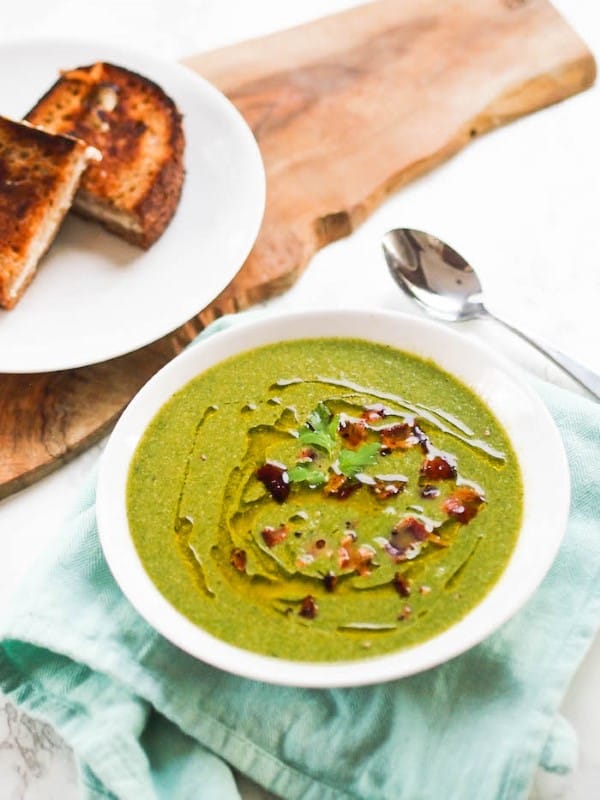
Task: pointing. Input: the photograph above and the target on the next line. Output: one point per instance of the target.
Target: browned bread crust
(39, 173)
(135, 190)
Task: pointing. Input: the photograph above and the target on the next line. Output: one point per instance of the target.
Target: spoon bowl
(447, 287)
(434, 274)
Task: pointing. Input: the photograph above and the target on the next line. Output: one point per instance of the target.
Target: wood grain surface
(346, 110)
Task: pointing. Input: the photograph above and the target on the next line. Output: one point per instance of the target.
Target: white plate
(533, 434)
(95, 296)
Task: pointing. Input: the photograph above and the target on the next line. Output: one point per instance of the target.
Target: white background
(522, 204)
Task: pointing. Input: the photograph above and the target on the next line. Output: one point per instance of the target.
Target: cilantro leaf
(307, 474)
(319, 418)
(333, 426)
(317, 430)
(308, 437)
(351, 462)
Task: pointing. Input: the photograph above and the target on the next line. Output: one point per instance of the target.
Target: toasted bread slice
(39, 174)
(135, 190)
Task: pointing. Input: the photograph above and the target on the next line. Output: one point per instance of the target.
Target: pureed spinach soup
(324, 500)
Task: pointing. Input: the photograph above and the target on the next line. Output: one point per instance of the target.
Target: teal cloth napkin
(147, 721)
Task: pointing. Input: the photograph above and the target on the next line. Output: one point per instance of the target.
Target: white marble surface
(521, 203)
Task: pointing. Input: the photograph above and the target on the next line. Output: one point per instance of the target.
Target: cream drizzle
(458, 431)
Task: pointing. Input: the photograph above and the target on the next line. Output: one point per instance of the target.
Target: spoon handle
(584, 376)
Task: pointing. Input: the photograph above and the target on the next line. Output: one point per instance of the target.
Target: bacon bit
(406, 540)
(412, 529)
(348, 538)
(401, 584)
(276, 480)
(308, 608)
(238, 559)
(429, 491)
(305, 455)
(464, 504)
(343, 558)
(398, 554)
(334, 483)
(383, 490)
(354, 432)
(273, 536)
(330, 580)
(363, 558)
(405, 613)
(438, 468)
(399, 437)
(340, 486)
(374, 413)
(348, 488)
(353, 557)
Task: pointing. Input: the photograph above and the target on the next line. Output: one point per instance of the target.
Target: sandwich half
(135, 190)
(39, 174)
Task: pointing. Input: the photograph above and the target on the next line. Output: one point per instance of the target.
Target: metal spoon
(443, 283)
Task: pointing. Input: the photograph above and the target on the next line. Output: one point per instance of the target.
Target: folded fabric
(148, 721)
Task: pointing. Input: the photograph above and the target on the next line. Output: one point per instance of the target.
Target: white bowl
(531, 430)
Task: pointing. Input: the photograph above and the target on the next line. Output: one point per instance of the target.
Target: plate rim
(35, 360)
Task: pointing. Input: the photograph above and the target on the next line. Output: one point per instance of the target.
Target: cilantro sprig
(320, 429)
(351, 462)
(304, 473)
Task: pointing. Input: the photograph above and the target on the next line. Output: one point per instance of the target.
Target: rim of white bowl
(521, 412)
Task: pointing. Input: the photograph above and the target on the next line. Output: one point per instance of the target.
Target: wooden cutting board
(346, 109)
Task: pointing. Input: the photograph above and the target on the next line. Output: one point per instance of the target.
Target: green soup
(324, 500)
